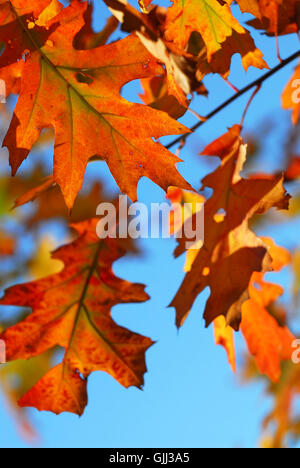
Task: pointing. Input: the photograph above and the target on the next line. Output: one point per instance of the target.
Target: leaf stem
(233, 98)
(257, 89)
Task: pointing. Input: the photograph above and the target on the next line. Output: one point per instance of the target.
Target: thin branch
(258, 87)
(233, 98)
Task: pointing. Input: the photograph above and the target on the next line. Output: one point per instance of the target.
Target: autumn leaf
(159, 50)
(261, 9)
(48, 205)
(212, 20)
(156, 95)
(277, 17)
(16, 39)
(87, 38)
(224, 336)
(70, 81)
(293, 170)
(231, 251)
(179, 78)
(150, 27)
(269, 342)
(180, 65)
(7, 244)
(77, 93)
(220, 62)
(32, 194)
(184, 205)
(181, 199)
(223, 333)
(47, 200)
(11, 13)
(18, 377)
(71, 309)
(291, 96)
(131, 19)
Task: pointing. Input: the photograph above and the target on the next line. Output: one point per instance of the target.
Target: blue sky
(191, 398)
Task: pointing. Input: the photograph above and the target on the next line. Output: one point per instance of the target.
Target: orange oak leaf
(78, 93)
(174, 74)
(71, 309)
(231, 251)
(277, 17)
(212, 20)
(49, 204)
(16, 40)
(180, 64)
(291, 96)
(156, 95)
(268, 341)
(224, 336)
(7, 244)
(48, 201)
(293, 170)
(150, 29)
(87, 38)
(184, 205)
(32, 194)
(261, 9)
(242, 44)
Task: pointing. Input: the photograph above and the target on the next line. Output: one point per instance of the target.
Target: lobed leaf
(72, 309)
